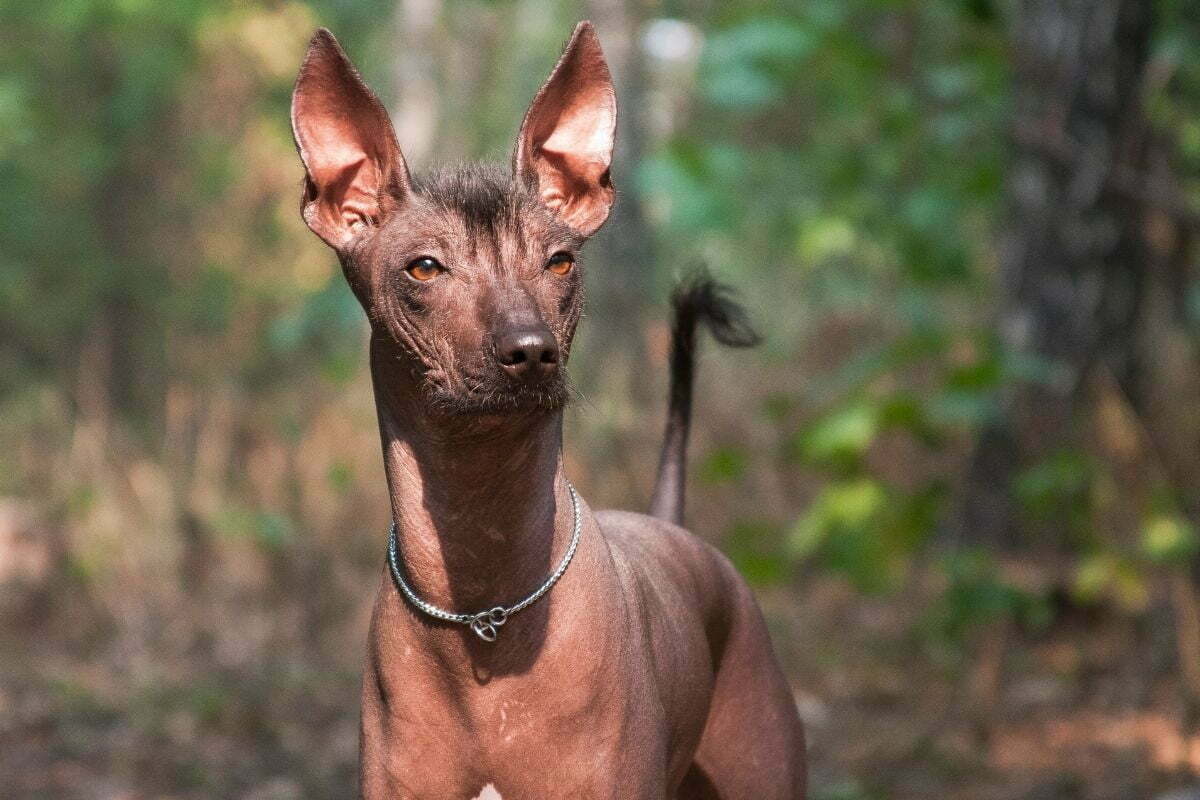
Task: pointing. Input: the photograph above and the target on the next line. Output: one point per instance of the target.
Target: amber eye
(560, 263)
(424, 269)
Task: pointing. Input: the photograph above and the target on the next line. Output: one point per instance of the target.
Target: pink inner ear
(355, 169)
(572, 160)
(566, 140)
(346, 177)
(584, 131)
(576, 189)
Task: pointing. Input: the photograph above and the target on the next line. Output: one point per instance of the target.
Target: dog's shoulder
(659, 546)
(630, 529)
(685, 587)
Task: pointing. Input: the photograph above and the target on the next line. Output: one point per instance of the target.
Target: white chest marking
(488, 793)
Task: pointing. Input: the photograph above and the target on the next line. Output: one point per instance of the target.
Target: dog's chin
(500, 398)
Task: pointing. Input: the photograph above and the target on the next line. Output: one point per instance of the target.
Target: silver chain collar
(485, 624)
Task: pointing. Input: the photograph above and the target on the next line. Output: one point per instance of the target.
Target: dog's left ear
(565, 146)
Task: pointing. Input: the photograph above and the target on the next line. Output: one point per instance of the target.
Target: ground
(1089, 707)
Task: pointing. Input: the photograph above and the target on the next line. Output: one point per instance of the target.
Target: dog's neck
(481, 507)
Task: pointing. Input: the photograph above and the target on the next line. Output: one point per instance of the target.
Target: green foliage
(977, 595)
(1108, 575)
(844, 511)
(880, 165)
(866, 530)
(1169, 539)
(841, 438)
(269, 530)
(1059, 488)
(753, 547)
(340, 476)
(750, 65)
(723, 465)
(181, 361)
(842, 790)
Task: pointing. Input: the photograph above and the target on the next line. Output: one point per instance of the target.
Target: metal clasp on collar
(486, 624)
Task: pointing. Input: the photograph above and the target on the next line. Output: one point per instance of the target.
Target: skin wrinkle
(454, 484)
(482, 200)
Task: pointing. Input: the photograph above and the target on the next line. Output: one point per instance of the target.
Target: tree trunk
(1074, 260)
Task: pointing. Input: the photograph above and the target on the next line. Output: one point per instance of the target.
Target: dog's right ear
(565, 146)
(355, 172)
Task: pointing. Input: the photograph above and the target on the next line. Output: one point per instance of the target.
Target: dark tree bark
(1074, 258)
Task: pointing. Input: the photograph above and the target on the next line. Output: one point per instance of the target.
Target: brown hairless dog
(645, 671)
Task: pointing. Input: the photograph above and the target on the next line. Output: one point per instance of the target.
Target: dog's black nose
(527, 353)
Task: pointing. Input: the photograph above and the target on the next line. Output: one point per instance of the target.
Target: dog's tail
(697, 298)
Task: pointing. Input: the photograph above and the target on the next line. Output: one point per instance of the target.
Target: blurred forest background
(963, 472)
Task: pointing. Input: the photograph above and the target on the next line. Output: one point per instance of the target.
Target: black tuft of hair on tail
(698, 298)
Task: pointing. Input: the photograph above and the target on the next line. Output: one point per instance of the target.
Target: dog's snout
(527, 352)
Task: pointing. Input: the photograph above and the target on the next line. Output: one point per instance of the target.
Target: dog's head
(472, 272)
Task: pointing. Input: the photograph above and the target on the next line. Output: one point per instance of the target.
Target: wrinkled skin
(647, 671)
(494, 241)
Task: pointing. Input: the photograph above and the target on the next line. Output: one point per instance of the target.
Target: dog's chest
(581, 717)
(517, 738)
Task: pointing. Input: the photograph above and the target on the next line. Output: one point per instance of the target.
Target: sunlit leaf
(723, 464)
(839, 507)
(842, 435)
(745, 66)
(1059, 482)
(823, 238)
(753, 547)
(1169, 539)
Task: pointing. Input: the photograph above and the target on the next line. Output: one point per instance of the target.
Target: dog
(522, 645)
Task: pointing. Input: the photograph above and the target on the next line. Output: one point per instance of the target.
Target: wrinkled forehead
(479, 214)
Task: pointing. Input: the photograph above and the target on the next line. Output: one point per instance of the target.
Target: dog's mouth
(474, 395)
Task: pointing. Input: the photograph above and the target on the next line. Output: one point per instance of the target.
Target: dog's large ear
(565, 146)
(355, 173)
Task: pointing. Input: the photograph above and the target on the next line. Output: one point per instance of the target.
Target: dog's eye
(424, 269)
(560, 263)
